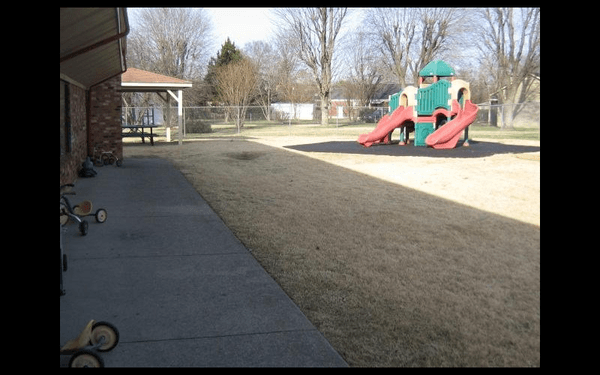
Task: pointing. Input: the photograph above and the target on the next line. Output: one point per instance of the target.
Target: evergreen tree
(229, 53)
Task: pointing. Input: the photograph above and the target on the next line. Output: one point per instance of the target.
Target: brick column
(105, 118)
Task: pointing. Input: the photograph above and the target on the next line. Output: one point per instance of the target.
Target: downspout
(88, 121)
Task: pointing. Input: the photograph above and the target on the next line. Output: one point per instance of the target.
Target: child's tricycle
(95, 338)
(78, 211)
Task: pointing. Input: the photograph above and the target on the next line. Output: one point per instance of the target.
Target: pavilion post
(179, 100)
(168, 128)
(180, 114)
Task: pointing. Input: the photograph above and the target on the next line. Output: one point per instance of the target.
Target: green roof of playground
(437, 68)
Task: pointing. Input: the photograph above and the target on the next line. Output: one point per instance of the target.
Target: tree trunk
(324, 111)
(507, 117)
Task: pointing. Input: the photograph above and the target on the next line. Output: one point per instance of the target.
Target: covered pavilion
(137, 80)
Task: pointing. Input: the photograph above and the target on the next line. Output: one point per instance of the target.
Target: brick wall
(70, 162)
(105, 118)
(96, 123)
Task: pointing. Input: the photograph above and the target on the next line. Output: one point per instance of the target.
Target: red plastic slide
(386, 125)
(447, 136)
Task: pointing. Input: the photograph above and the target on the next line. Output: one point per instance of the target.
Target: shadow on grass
(390, 275)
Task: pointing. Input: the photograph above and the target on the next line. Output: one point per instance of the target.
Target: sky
(241, 25)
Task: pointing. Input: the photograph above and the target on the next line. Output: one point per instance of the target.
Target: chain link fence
(201, 119)
(522, 115)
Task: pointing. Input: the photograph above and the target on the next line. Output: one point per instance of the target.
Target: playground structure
(436, 112)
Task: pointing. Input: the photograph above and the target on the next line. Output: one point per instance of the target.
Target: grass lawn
(343, 129)
(397, 260)
(336, 127)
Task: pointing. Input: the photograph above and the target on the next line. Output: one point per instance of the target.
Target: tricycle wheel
(83, 227)
(119, 163)
(110, 334)
(86, 358)
(101, 215)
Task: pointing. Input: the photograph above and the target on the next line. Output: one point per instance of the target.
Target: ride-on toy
(77, 212)
(95, 338)
(106, 158)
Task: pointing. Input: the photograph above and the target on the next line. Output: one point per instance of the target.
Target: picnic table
(138, 131)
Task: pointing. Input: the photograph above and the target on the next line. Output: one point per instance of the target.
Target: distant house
(338, 107)
(382, 96)
(297, 111)
(92, 59)
(339, 103)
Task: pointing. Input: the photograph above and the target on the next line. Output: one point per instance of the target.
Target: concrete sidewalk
(181, 289)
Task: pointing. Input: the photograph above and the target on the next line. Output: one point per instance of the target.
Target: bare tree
(170, 41)
(409, 38)
(393, 32)
(265, 58)
(510, 46)
(287, 68)
(313, 31)
(438, 27)
(364, 73)
(237, 84)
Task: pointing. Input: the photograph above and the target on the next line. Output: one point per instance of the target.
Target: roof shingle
(143, 76)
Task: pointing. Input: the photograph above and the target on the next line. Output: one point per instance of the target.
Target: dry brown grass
(390, 274)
